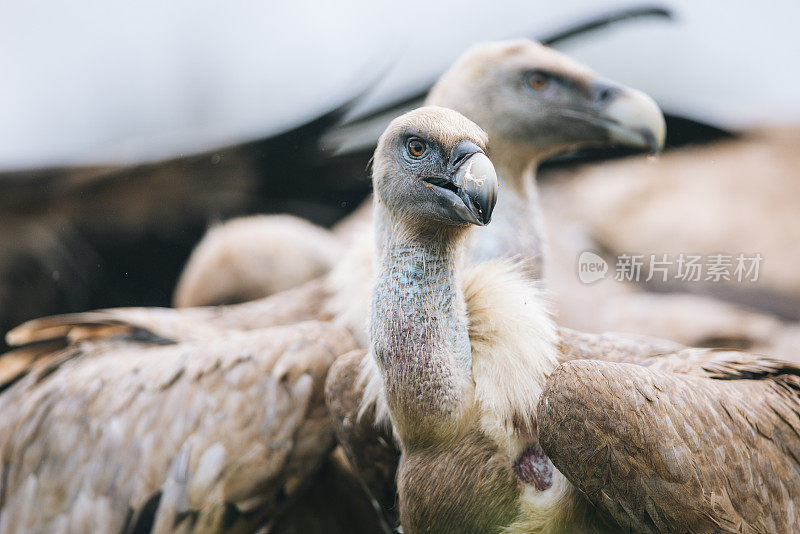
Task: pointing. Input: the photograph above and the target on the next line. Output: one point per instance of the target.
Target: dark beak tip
(485, 215)
(653, 146)
(490, 210)
(475, 180)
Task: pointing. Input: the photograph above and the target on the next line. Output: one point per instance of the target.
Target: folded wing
(696, 440)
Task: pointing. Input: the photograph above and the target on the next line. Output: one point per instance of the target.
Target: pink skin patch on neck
(534, 467)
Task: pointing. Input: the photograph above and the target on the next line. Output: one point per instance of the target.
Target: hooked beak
(630, 117)
(470, 184)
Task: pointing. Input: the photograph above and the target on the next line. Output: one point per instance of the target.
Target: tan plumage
(40, 341)
(110, 349)
(44, 337)
(203, 436)
(252, 257)
(665, 452)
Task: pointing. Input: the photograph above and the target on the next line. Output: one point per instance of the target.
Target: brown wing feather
(289, 307)
(305, 303)
(17, 363)
(157, 325)
(194, 435)
(145, 324)
(667, 452)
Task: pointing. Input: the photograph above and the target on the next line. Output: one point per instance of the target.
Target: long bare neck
(418, 325)
(517, 228)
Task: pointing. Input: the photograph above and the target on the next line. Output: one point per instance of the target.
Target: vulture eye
(538, 80)
(416, 147)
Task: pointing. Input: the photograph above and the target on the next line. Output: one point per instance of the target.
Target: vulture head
(432, 182)
(534, 102)
(431, 165)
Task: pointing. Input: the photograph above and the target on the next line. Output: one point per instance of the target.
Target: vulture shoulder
(117, 433)
(696, 440)
(252, 257)
(611, 346)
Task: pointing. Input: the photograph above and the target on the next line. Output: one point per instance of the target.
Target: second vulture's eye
(416, 147)
(538, 80)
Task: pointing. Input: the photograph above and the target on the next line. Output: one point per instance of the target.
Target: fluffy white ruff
(513, 350)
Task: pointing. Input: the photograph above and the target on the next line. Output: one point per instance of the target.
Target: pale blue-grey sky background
(90, 82)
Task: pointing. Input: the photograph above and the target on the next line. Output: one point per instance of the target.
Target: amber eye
(416, 147)
(538, 80)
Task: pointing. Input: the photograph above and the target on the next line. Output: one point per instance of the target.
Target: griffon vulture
(496, 434)
(532, 101)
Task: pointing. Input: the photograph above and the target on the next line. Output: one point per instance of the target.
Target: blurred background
(126, 130)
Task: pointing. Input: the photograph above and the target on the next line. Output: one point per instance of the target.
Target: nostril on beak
(461, 152)
(604, 93)
(459, 159)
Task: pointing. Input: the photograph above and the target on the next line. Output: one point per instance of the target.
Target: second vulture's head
(535, 102)
(431, 165)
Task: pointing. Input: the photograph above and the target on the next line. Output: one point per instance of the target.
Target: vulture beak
(472, 180)
(630, 117)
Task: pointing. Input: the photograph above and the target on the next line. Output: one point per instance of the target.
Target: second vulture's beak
(630, 117)
(473, 181)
